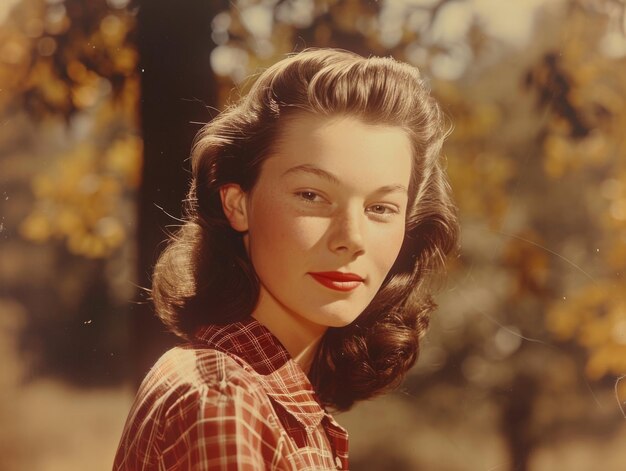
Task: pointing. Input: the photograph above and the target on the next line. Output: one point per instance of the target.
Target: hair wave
(205, 276)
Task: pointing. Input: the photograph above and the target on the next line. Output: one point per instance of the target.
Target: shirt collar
(281, 377)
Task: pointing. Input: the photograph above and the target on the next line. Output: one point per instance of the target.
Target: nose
(347, 232)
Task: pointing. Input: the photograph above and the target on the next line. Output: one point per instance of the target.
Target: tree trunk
(174, 42)
(516, 421)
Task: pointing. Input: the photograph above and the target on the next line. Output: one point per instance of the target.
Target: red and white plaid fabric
(234, 399)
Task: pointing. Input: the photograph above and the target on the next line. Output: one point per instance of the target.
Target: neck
(299, 336)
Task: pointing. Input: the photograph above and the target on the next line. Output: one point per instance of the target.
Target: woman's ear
(234, 205)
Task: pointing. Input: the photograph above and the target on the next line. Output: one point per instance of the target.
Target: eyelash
(300, 193)
(391, 210)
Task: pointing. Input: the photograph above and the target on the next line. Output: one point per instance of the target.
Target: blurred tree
(538, 174)
(584, 141)
(528, 229)
(68, 107)
(175, 44)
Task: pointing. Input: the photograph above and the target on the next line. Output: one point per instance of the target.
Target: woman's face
(331, 197)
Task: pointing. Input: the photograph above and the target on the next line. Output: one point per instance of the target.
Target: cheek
(279, 231)
(389, 249)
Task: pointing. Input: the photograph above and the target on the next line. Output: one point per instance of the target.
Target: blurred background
(523, 366)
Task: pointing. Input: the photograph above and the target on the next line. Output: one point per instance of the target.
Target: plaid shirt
(234, 399)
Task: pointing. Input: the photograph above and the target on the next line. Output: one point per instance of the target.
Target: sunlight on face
(332, 197)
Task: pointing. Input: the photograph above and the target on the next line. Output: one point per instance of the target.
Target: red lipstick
(337, 280)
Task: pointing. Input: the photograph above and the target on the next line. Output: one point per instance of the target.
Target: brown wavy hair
(205, 276)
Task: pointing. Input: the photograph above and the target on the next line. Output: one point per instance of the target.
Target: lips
(337, 280)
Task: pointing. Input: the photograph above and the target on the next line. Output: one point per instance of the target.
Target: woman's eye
(309, 196)
(383, 209)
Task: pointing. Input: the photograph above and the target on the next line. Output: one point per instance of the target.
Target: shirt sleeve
(227, 428)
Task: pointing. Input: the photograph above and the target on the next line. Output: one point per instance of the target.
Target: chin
(339, 321)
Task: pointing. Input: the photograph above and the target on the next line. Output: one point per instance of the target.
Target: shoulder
(188, 368)
(194, 400)
(188, 386)
(209, 393)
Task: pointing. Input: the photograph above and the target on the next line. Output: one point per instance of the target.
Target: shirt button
(338, 462)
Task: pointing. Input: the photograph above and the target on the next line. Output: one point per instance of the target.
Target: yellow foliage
(79, 195)
(607, 359)
(77, 199)
(345, 12)
(54, 90)
(15, 61)
(478, 170)
(595, 317)
(125, 60)
(479, 182)
(36, 227)
(616, 254)
(563, 154)
(113, 29)
(124, 158)
(87, 92)
(76, 70)
(613, 221)
(556, 155)
(476, 122)
(529, 263)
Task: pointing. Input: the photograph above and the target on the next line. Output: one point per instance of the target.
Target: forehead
(345, 146)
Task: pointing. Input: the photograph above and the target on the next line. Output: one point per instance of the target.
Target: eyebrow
(313, 170)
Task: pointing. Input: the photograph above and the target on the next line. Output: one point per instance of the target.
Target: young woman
(318, 212)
